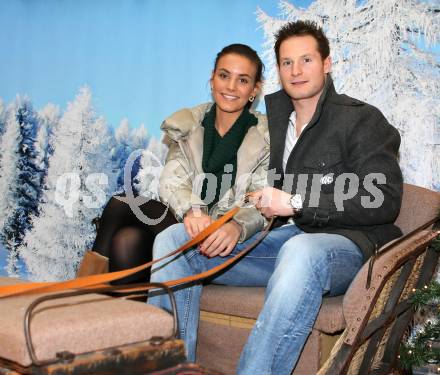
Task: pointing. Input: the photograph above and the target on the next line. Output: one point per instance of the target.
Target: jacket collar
(186, 124)
(182, 123)
(253, 149)
(328, 92)
(279, 107)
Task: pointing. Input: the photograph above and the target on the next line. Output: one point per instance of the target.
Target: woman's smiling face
(233, 83)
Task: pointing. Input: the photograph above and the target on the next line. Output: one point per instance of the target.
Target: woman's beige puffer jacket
(181, 177)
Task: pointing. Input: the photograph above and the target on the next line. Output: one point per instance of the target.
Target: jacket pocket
(323, 171)
(324, 163)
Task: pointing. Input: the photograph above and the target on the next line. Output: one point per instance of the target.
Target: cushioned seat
(76, 324)
(247, 303)
(228, 313)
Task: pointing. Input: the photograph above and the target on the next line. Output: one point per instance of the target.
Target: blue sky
(142, 59)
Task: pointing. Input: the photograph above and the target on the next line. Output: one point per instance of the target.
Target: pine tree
(121, 149)
(48, 119)
(139, 143)
(9, 146)
(127, 140)
(2, 118)
(139, 138)
(80, 179)
(8, 161)
(379, 56)
(19, 182)
(151, 165)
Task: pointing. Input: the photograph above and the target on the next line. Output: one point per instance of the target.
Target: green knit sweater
(220, 154)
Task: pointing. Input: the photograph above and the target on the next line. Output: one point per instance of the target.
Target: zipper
(260, 162)
(186, 151)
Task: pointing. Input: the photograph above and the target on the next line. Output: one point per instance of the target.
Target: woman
(217, 152)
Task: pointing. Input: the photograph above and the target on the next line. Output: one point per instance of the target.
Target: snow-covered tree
(8, 162)
(121, 149)
(127, 140)
(380, 55)
(79, 181)
(139, 138)
(2, 117)
(151, 165)
(48, 119)
(19, 181)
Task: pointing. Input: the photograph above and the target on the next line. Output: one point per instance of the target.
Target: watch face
(296, 202)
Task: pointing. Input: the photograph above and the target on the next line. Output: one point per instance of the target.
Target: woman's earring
(251, 99)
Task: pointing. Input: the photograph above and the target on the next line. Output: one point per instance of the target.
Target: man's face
(302, 70)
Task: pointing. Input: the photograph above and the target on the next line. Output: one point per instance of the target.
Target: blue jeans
(298, 269)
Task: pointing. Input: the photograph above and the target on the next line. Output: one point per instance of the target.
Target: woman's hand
(195, 221)
(222, 241)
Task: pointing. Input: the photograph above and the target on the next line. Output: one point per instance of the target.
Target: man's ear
(327, 64)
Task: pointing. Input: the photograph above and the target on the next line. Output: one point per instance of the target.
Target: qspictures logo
(71, 190)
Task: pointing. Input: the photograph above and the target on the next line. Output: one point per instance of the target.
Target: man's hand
(195, 221)
(272, 202)
(222, 241)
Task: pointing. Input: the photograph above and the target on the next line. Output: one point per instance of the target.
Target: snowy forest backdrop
(58, 167)
(57, 170)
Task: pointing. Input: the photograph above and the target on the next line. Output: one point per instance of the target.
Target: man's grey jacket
(348, 153)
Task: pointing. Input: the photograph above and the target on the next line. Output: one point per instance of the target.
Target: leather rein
(101, 280)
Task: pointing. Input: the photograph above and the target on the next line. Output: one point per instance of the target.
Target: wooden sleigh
(86, 332)
(35, 354)
(75, 327)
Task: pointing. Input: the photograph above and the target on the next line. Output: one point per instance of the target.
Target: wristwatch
(296, 203)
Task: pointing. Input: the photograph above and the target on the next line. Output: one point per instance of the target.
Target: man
(336, 188)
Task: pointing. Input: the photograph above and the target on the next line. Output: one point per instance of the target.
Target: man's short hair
(302, 28)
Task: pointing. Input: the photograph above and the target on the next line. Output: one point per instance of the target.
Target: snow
(80, 179)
